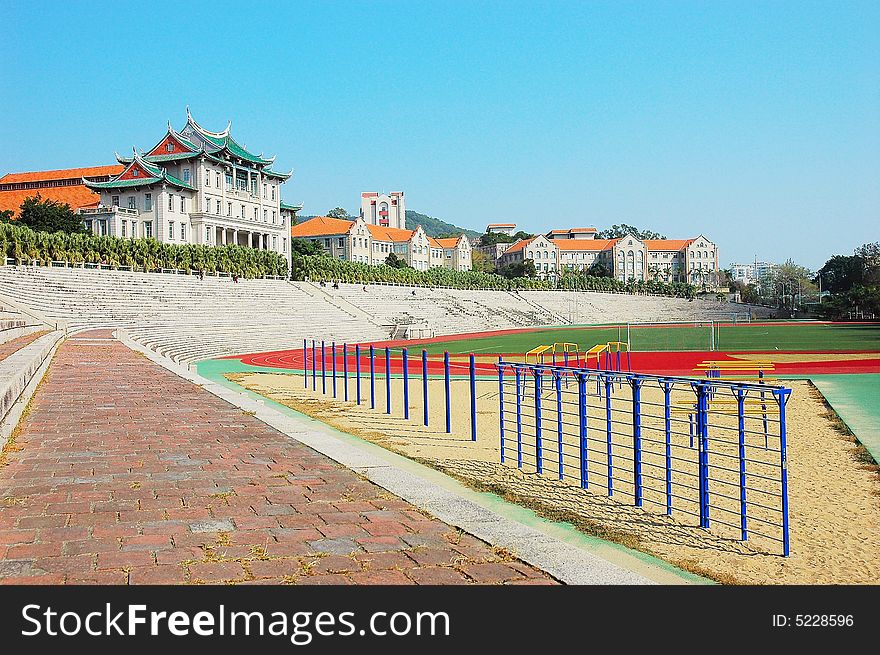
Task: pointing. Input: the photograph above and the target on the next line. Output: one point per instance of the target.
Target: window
(103, 228)
(134, 229)
(182, 205)
(148, 202)
(207, 178)
(148, 229)
(135, 172)
(218, 207)
(242, 212)
(274, 242)
(264, 191)
(273, 193)
(217, 179)
(115, 201)
(169, 147)
(207, 235)
(273, 217)
(186, 175)
(265, 215)
(284, 243)
(207, 205)
(326, 243)
(256, 212)
(229, 209)
(183, 231)
(341, 242)
(171, 202)
(170, 229)
(123, 229)
(229, 181)
(131, 202)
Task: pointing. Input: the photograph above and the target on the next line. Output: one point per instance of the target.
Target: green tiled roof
(122, 184)
(284, 205)
(283, 176)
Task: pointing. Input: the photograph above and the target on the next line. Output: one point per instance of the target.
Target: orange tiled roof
(450, 242)
(519, 245)
(501, 225)
(667, 244)
(584, 244)
(320, 226)
(582, 230)
(62, 174)
(393, 234)
(75, 196)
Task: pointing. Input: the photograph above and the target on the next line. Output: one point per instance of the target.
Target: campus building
(501, 228)
(384, 210)
(65, 186)
(360, 241)
(751, 273)
(194, 186)
(628, 258)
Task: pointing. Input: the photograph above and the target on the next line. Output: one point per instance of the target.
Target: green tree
(480, 262)
(600, 269)
(394, 261)
(305, 247)
(337, 212)
(6, 215)
(622, 230)
(525, 268)
(49, 216)
(842, 273)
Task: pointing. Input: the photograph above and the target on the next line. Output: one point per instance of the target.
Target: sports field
(747, 337)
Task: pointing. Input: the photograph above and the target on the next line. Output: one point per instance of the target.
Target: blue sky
(757, 124)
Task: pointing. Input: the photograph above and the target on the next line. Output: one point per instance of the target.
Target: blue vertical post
(473, 374)
(638, 491)
(446, 384)
(501, 406)
(539, 455)
(582, 429)
(517, 378)
(372, 377)
(557, 379)
(333, 368)
(345, 370)
(387, 380)
(565, 363)
(323, 369)
(425, 386)
(667, 420)
(357, 371)
(314, 366)
(741, 420)
(703, 439)
(405, 354)
(609, 388)
(305, 364)
(782, 399)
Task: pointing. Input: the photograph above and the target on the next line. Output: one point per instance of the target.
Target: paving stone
(334, 546)
(212, 525)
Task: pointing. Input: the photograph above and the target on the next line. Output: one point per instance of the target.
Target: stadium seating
(188, 319)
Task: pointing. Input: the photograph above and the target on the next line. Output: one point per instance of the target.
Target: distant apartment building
(751, 273)
(384, 210)
(628, 258)
(501, 228)
(360, 241)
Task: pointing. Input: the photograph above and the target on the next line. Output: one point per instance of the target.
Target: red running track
(658, 363)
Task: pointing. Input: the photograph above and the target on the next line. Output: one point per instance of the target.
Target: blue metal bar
(333, 350)
(446, 384)
(557, 380)
(565, 363)
(387, 380)
(372, 377)
(314, 366)
(782, 399)
(519, 457)
(667, 420)
(345, 370)
(473, 373)
(539, 455)
(425, 386)
(357, 371)
(405, 363)
(323, 369)
(609, 387)
(636, 383)
(501, 406)
(305, 364)
(703, 438)
(582, 426)
(740, 410)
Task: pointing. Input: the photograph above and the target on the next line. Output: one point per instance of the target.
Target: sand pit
(834, 500)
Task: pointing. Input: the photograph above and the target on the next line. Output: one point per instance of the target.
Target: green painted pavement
(652, 567)
(856, 399)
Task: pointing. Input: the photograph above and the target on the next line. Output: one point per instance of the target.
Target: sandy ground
(834, 500)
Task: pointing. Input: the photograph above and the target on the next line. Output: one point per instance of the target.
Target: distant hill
(433, 226)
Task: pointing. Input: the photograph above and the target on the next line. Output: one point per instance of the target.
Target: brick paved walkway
(13, 345)
(124, 473)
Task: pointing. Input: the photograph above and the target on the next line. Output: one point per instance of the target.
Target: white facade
(384, 210)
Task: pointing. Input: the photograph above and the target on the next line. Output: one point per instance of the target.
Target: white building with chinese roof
(195, 186)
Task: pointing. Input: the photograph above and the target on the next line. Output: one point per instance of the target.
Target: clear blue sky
(755, 123)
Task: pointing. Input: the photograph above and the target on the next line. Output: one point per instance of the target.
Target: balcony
(114, 209)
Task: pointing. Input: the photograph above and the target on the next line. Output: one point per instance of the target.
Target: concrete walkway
(124, 473)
